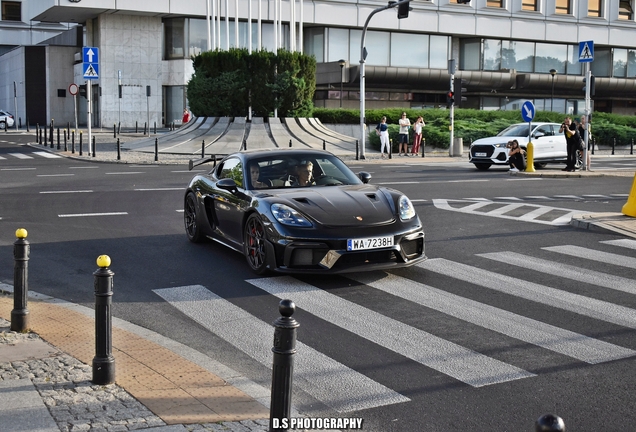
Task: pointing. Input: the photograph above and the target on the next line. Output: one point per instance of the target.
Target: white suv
(549, 145)
(6, 118)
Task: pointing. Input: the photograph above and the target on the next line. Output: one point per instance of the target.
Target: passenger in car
(255, 173)
(515, 156)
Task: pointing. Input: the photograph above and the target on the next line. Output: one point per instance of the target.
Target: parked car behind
(6, 118)
(549, 145)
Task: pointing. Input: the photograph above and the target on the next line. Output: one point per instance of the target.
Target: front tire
(254, 247)
(192, 229)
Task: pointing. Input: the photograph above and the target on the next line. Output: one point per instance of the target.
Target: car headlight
(288, 216)
(405, 209)
(501, 145)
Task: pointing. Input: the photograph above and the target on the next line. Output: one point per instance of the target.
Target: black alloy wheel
(254, 244)
(190, 219)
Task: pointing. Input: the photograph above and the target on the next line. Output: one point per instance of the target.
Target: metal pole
(80, 144)
(156, 149)
(202, 149)
(586, 157)
(89, 98)
(73, 143)
(357, 150)
(283, 366)
(103, 362)
(65, 141)
(58, 138)
(118, 150)
(15, 103)
(451, 126)
(94, 146)
(20, 313)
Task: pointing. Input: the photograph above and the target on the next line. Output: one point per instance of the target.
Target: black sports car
(302, 211)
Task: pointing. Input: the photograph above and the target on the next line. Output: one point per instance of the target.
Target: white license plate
(369, 243)
(480, 154)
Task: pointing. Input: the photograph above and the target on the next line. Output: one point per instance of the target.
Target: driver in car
(304, 173)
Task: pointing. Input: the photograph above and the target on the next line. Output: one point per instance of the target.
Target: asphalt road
(515, 314)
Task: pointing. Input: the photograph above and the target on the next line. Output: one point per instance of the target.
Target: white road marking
(396, 182)
(331, 382)
(124, 172)
(626, 243)
(534, 332)
(568, 196)
(16, 169)
(580, 274)
(83, 167)
(47, 154)
(161, 189)
(55, 175)
(93, 214)
(21, 156)
(451, 359)
(63, 192)
(542, 294)
(594, 255)
(509, 198)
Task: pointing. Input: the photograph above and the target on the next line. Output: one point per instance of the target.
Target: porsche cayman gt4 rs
(301, 211)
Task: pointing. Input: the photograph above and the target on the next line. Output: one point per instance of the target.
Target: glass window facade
(626, 10)
(410, 50)
(563, 7)
(529, 5)
(595, 8)
(495, 3)
(11, 11)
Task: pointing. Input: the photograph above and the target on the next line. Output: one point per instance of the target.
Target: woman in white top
(417, 137)
(382, 129)
(405, 124)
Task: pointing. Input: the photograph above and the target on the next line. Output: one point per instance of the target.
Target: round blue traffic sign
(527, 111)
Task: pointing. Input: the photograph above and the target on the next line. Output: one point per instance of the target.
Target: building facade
(505, 51)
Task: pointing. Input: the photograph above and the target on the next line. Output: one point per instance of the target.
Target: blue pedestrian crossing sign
(527, 111)
(586, 51)
(90, 66)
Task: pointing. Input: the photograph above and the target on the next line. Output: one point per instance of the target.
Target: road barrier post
(80, 144)
(65, 141)
(103, 362)
(290, 144)
(118, 150)
(549, 423)
(37, 138)
(94, 147)
(73, 142)
(114, 130)
(613, 145)
(58, 137)
(390, 148)
(202, 149)
(283, 367)
(357, 149)
(20, 313)
(530, 158)
(156, 149)
(324, 145)
(423, 147)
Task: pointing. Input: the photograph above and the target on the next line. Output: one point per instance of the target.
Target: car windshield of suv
(516, 130)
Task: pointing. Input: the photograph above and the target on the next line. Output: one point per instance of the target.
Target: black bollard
(119, 128)
(27, 124)
(244, 144)
(289, 143)
(73, 142)
(593, 144)
(549, 423)
(68, 129)
(136, 127)
(324, 145)
(37, 139)
(20, 123)
(80, 144)
(283, 366)
(155, 129)
(613, 145)
(94, 146)
(103, 362)
(423, 147)
(631, 147)
(51, 134)
(202, 149)
(357, 149)
(114, 130)
(118, 150)
(146, 125)
(58, 138)
(65, 141)
(390, 148)
(20, 313)
(156, 149)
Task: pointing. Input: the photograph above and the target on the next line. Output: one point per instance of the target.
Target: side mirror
(538, 134)
(227, 184)
(364, 176)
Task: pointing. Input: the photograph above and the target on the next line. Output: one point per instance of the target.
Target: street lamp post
(342, 64)
(553, 72)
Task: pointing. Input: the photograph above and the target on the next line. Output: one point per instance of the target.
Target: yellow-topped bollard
(530, 157)
(21, 233)
(20, 313)
(103, 261)
(629, 209)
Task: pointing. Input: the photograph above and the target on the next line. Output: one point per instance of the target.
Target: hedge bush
(475, 124)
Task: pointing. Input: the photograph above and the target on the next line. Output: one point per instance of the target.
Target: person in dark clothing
(515, 156)
(572, 139)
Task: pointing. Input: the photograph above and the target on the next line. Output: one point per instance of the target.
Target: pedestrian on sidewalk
(405, 124)
(515, 156)
(572, 138)
(382, 129)
(186, 116)
(417, 135)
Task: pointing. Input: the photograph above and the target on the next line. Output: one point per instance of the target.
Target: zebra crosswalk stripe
(562, 341)
(340, 387)
(434, 352)
(553, 297)
(626, 243)
(21, 156)
(47, 154)
(594, 255)
(585, 275)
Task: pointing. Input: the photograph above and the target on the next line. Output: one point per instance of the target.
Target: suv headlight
(288, 216)
(501, 145)
(405, 208)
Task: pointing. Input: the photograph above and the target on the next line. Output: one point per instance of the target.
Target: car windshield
(297, 171)
(516, 130)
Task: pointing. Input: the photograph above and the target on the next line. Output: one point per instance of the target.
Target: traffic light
(450, 97)
(458, 84)
(403, 10)
(82, 90)
(592, 86)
